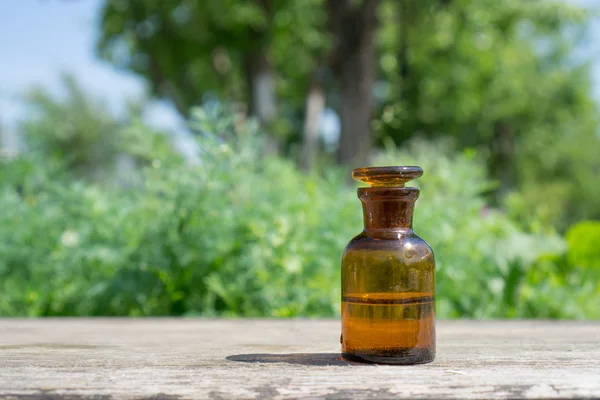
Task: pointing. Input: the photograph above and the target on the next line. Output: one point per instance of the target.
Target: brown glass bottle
(388, 276)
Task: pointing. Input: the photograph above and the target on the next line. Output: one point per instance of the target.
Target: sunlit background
(192, 157)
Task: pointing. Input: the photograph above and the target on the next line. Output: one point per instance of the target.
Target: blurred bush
(244, 233)
(238, 234)
(80, 133)
(567, 283)
(482, 256)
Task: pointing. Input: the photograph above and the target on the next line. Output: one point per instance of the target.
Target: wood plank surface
(281, 359)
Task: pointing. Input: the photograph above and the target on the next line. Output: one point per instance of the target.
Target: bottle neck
(388, 209)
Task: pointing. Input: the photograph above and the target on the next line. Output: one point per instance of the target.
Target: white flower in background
(69, 238)
(292, 264)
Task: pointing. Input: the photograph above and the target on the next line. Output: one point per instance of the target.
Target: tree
(263, 47)
(76, 129)
(354, 27)
(500, 77)
(228, 49)
(81, 133)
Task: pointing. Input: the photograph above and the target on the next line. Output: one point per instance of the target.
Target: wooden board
(280, 359)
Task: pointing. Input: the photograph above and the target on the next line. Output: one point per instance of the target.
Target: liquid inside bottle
(388, 277)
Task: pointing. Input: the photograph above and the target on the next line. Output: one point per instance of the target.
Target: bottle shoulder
(391, 242)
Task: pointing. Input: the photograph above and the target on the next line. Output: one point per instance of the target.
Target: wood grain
(281, 359)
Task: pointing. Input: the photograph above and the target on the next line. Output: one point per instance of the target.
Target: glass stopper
(395, 176)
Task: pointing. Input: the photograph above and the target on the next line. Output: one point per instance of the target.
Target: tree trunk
(503, 148)
(354, 30)
(260, 76)
(403, 21)
(315, 104)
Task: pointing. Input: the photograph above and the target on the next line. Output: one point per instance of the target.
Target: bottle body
(388, 284)
(388, 294)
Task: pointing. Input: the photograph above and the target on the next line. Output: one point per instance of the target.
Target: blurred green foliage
(103, 216)
(504, 77)
(242, 233)
(193, 49)
(81, 134)
(77, 129)
(566, 283)
(584, 240)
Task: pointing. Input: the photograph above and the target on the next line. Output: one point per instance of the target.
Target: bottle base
(395, 357)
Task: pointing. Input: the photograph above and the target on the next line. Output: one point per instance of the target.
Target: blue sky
(39, 39)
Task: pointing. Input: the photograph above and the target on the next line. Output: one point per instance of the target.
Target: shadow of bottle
(312, 359)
